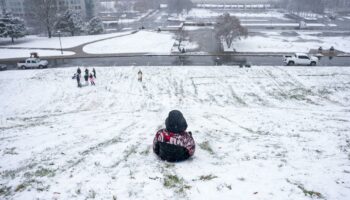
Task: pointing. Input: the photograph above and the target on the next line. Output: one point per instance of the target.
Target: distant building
(87, 8)
(14, 6)
(232, 2)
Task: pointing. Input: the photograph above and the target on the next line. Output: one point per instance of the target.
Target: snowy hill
(263, 133)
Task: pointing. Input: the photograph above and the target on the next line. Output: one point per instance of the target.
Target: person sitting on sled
(173, 143)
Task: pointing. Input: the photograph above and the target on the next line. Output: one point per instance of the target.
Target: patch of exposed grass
(206, 146)
(222, 186)
(8, 174)
(169, 165)
(5, 191)
(309, 193)
(21, 187)
(207, 177)
(32, 183)
(247, 129)
(237, 98)
(129, 152)
(103, 144)
(171, 181)
(183, 188)
(41, 172)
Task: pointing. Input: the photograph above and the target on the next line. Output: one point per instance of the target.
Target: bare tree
(229, 28)
(43, 13)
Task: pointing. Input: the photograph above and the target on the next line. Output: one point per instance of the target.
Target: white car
(300, 59)
(31, 63)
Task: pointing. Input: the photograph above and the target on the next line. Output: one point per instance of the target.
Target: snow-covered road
(262, 133)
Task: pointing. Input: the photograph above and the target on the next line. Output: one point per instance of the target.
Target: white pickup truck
(300, 59)
(30, 63)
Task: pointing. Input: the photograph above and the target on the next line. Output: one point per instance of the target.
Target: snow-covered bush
(95, 26)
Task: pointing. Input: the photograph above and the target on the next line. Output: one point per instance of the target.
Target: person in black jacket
(79, 71)
(86, 76)
(94, 72)
(78, 80)
(173, 143)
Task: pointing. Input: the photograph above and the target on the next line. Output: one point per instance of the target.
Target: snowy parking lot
(266, 133)
(290, 41)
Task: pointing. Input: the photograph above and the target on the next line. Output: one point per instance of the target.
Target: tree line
(316, 6)
(47, 15)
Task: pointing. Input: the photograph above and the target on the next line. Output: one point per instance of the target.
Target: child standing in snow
(78, 80)
(92, 81)
(139, 76)
(86, 76)
(94, 71)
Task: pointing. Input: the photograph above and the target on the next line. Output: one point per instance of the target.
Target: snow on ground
(275, 42)
(131, 20)
(24, 53)
(207, 13)
(195, 28)
(267, 133)
(141, 42)
(45, 42)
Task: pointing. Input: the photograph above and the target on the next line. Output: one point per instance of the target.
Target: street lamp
(59, 36)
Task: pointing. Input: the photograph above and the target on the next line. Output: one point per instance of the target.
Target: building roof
(235, 1)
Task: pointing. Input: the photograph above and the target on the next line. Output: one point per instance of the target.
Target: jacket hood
(175, 122)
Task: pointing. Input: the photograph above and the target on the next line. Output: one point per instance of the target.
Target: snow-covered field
(207, 13)
(262, 133)
(141, 42)
(24, 53)
(274, 41)
(45, 42)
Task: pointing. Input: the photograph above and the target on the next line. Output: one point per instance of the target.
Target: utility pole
(59, 37)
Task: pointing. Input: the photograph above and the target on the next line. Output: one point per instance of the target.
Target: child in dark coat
(86, 76)
(78, 80)
(174, 144)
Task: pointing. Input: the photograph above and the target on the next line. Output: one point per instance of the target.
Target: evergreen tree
(2, 28)
(12, 27)
(70, 22)
(95, 26)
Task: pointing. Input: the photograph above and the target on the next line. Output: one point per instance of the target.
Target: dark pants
(78, 81)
